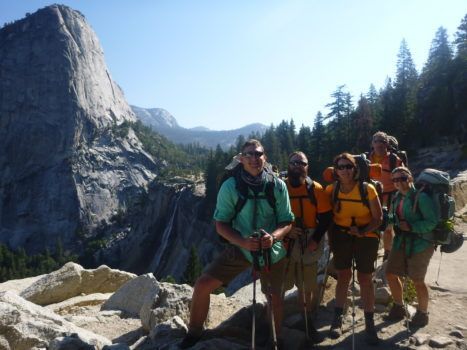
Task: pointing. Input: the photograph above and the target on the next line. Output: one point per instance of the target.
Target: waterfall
(165, 235)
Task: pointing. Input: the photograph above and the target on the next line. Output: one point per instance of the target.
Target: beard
(296, 177)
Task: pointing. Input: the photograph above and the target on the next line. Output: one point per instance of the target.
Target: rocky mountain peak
(63, 168)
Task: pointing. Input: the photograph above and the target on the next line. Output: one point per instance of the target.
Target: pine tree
(404, 93)
(434, 95)
(193, 268)
(363, 125)
(459, 84)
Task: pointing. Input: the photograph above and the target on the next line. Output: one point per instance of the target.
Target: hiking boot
(419, 320)
(397, 313)
(371, 336)
(336, 328)
(189, 340)
(313, 333)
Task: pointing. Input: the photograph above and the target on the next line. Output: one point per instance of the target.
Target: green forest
(420, 109)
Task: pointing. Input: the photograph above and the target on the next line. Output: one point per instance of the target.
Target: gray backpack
(437, 185)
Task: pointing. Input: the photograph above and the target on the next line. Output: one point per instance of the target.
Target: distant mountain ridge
(163, 122)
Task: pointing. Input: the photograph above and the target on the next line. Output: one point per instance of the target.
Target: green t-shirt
(247, 221)
(422, 221)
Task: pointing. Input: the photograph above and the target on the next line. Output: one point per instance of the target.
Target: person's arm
(376, 219)
(324, 220)
(428, 219)
(277, 235)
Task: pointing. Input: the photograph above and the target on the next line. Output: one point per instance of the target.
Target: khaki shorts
(417, 264)
(231, 262)
(294, 276)
(310, 265)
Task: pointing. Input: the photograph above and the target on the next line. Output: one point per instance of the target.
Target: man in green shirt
(256, 214)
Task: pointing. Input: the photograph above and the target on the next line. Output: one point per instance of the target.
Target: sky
(226, 64)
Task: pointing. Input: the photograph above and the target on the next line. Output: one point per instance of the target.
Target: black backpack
(395, 152)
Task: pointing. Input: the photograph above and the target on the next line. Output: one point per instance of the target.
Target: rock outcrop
(24, 325)
(72, 280)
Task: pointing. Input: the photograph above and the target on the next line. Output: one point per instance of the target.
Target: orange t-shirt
(358, 210)
(385, 178)
(299, 201)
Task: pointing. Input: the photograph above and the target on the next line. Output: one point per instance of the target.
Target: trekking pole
(353, 303)
(267, 267)
(299, 223)
(439, 268)
(255, 268)
(353, 286)
(404, 288)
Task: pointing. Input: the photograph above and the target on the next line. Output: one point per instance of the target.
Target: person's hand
(354, 231)
(295, 232)
(251, 243)
(266, 240)
(404, 225)
(312, 246)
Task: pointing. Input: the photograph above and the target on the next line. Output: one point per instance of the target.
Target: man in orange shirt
(313, 214)
(389, 161)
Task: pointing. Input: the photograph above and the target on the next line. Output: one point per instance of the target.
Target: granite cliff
(66, 173)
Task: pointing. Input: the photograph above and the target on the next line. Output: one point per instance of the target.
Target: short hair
(381, 134)
(402, 169)
(297, 153)
(252, 142)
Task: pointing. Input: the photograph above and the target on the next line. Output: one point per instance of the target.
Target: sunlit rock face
(63, 171)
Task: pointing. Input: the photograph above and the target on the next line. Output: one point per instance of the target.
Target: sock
(369, 319)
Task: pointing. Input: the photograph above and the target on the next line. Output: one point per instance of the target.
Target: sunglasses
(298, 163)
(344, 166)
(252, 154)
(400, 179)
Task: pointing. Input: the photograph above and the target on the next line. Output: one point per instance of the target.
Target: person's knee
(364, 278)
(419, 283)
(344, 275)
(276, 300)
(206, 284)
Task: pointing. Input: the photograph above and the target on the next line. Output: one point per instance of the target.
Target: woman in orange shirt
(354, 237)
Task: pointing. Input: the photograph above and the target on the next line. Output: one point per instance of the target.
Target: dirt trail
(447, 307)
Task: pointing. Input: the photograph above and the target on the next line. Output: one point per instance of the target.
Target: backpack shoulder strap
(269, 191)
(363, 188)
(334, 196)
(242, 190)
(310, 188)
(392, 161)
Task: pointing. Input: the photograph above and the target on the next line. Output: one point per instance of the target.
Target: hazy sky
(225, 64)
